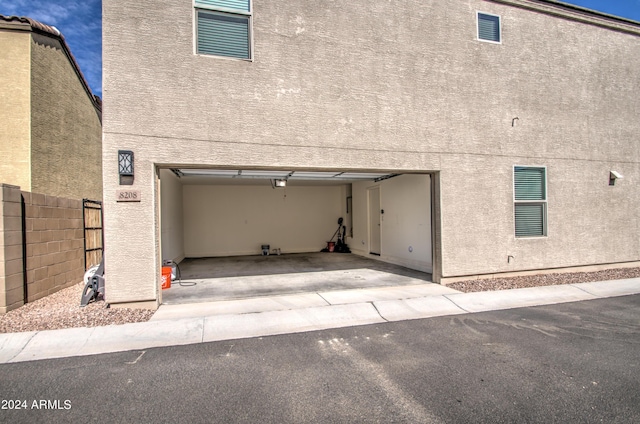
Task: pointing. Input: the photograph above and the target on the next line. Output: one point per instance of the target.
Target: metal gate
(93, 234)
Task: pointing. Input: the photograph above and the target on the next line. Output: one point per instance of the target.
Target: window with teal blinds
(235, 5)
(224, 28)
(488, 27)
(530, 186)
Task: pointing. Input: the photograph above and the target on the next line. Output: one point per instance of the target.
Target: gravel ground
(62, 309)
(544, 280)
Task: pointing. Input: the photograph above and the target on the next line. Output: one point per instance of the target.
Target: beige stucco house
(459, 138)
(51, 137)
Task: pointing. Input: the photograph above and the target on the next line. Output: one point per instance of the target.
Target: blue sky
(80, 23)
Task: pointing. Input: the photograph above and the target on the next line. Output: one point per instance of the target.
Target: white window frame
(226, 11)
(478, 13)
(544, 202)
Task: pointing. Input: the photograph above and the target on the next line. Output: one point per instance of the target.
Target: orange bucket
(166, 277)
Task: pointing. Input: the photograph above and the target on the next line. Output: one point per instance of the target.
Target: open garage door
(225, 213)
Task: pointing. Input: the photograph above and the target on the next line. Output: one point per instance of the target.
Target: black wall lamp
(125, 167)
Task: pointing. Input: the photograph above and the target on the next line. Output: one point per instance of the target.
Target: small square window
(223, 28)
(489, 27)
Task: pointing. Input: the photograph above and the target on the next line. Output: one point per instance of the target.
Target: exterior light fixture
(125, 167)
(613, 176)
(280, 183)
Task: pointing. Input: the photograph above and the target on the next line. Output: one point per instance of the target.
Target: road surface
(575, 362)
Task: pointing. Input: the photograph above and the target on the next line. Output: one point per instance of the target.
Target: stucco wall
(66, 136)
(390, 86)
(15, 108)
(227, 220)
(589, 222)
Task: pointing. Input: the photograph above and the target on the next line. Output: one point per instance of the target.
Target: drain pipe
(25, 281)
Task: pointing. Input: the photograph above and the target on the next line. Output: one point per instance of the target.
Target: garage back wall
(234, 220)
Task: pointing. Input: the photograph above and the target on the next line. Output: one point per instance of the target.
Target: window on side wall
(530, 201)
(489, 28)
(223, 28)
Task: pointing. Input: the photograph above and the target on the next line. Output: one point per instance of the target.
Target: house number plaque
(128, 196)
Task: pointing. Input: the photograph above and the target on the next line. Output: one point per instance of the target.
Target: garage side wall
(405, 227)
(236, 220)
(172, 226)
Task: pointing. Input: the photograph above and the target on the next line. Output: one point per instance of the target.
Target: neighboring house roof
(23, 23)
(585, 10)
(576, 13)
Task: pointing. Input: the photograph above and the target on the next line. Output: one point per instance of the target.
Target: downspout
(25, 282)
(84, 233)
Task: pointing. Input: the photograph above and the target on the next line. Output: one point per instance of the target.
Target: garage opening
(238, 233)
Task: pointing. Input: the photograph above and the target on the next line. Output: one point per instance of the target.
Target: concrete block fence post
(11, 253)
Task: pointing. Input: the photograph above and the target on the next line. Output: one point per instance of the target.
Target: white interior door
(374, 220)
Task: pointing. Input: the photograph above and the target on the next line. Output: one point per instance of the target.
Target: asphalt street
(573, 362)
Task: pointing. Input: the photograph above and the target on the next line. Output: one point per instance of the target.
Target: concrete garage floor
(243, 277)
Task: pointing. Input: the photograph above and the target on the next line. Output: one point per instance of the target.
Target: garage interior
(216, 223)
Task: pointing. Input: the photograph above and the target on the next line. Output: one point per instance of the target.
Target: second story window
(223, 28)
(489, 28)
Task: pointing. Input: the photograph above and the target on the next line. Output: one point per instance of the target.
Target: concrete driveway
(242, 277)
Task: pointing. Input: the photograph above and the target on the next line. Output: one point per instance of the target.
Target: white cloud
(48, 13)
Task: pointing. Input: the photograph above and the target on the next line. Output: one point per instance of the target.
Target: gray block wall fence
(53, 256)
